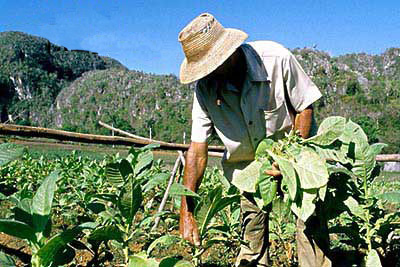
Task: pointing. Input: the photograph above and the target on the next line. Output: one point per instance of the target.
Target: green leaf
(218, 203)
(114, 175)
(246, 179)
(181, 190)
(263, 146)
(173, 262)
(266, 184)
(58, 242)
(364, 159)
(130, 201)
(156, 180)
(331, 154)
(289, 177)
(17, 229)
(141, 261)
(63, 256)
(372, 259)
(43, 200)
(307, 206)
(150, 146)
(311, 169)
(144, 160)
(6, 260)
(10, 152)
(354, 207)
(329, 131)
(352, 132)
(166, 240)
(393, 196)
(106, 233)
(125, 168)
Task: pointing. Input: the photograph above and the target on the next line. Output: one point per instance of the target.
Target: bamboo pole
(164, 200)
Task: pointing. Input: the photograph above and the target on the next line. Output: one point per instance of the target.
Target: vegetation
(334, 170)
(105, 209)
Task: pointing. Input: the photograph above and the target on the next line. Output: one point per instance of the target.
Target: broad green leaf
(266, 185)
(144, 160)
(246, 179)
(331, 154)
(263, 146)
(364, 159)
(23, 213)
(114, 175)
(150, 146)
(63, 256)
(10, 152)
(156, 180)
(311, 169)
(289, 177)
(352, 132)
(307, 206)
(43, 200)
(106, 233)
(372, 259)
(6, 260)
(125, 168)
(130, 201)
(140, 261)
(51, 248)
(393, 196)
(17, 229)
(354, 207)
(218, 203)
(215, 240)
(329, 131)
(181, 190)
(322, 192)
(173, 262)
(166, 240)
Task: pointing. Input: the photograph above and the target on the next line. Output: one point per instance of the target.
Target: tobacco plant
(335, 168)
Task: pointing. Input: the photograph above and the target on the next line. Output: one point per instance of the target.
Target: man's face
(227, 67)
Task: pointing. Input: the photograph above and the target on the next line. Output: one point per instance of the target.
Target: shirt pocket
(277, 119)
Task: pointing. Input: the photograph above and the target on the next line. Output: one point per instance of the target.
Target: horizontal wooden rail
(29, 131)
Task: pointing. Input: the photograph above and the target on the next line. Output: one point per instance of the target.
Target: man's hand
(274, 172)
(196, 162)
(188, 228)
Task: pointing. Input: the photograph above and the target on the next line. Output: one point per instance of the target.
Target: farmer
(245, 92)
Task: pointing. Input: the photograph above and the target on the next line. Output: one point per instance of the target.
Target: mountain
(48, 85)
(33, 71)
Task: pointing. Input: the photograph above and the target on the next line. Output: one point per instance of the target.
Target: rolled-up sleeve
(301, 90)
(201, 123)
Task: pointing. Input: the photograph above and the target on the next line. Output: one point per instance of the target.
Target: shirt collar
(255, 66)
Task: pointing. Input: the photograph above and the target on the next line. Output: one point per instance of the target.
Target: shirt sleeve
(301, 90)
(201, 123)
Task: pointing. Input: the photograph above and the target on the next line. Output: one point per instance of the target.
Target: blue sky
(143, 34)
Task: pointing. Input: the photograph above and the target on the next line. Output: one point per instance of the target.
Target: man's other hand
(275, 172)
(188, 228)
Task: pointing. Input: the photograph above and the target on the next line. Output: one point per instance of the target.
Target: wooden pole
(164, 200)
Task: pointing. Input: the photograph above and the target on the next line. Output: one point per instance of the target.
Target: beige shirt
(275, 88)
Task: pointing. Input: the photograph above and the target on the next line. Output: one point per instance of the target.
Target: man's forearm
(196, 162)
(303, 121)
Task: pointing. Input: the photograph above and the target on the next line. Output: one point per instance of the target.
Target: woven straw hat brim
(221, 51)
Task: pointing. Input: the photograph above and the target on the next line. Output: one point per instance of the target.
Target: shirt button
(250, 122)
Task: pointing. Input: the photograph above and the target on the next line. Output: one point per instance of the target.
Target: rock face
(33, 71)
(130, 100)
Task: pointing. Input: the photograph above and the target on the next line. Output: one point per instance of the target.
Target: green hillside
(48, 85)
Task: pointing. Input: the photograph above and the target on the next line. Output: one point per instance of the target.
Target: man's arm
(196, 162)
(303, 121)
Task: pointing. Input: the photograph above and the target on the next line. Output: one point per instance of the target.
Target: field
(98, 205)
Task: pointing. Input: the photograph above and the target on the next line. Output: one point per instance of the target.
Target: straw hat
(206, 44)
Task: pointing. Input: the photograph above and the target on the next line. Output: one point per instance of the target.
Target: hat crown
(199, 36)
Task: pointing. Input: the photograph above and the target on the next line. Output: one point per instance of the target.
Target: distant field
(38, 147)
